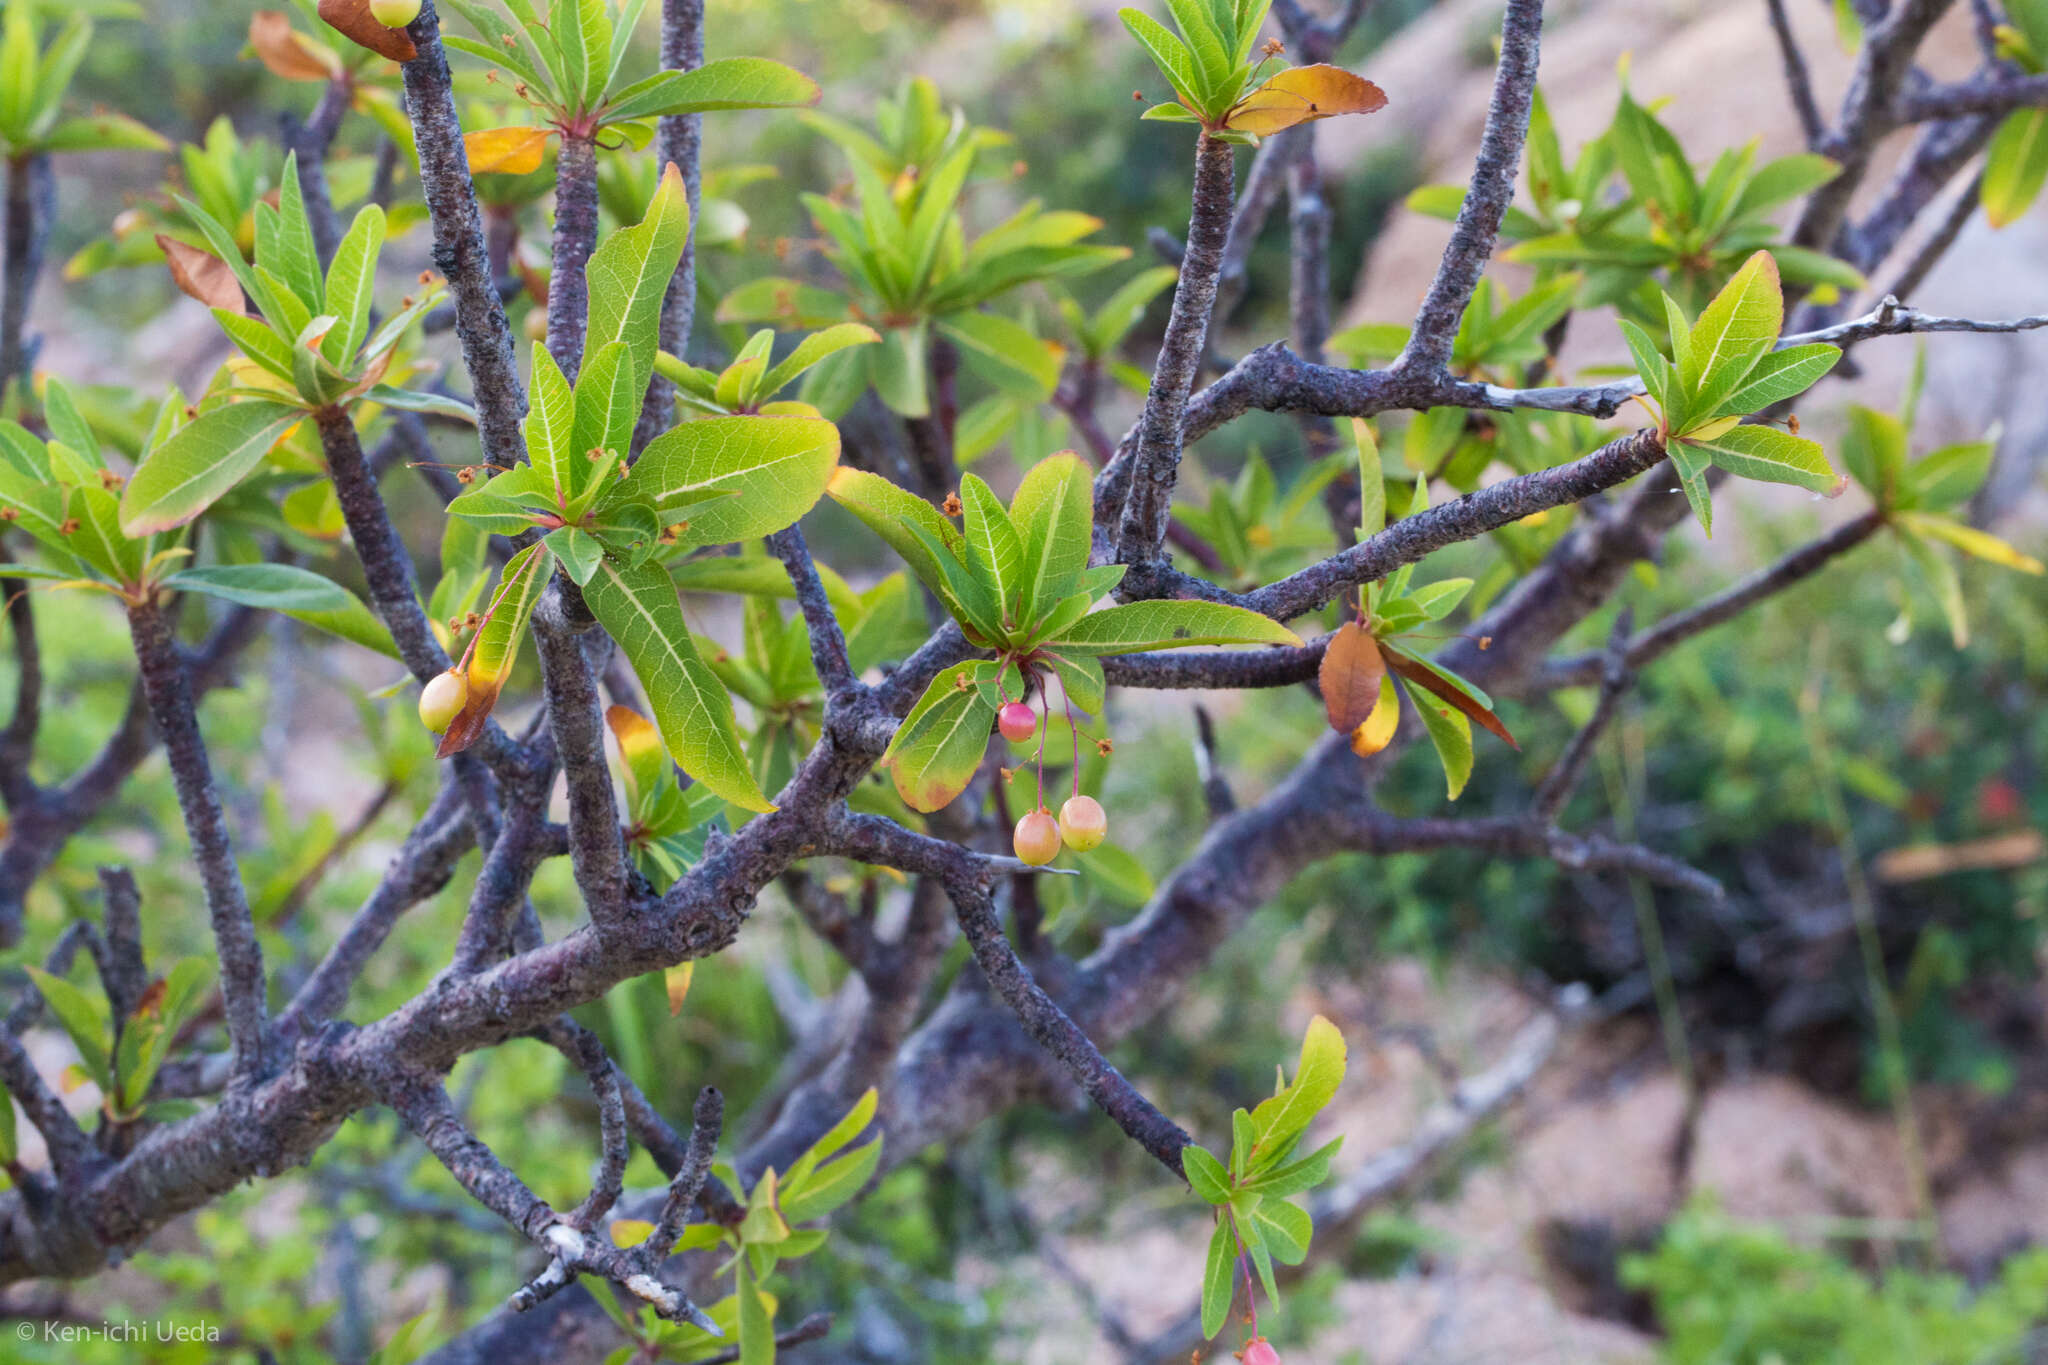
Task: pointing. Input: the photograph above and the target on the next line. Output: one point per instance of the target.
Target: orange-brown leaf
(506, 151)
(1301, 93)
(1430, 682)
(152, 1001)
(287, 52)
(469, 723)
(1350, 677)
(201, 275)
(353, 20)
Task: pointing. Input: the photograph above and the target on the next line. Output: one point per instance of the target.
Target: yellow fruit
(1083, 823)
(442, 700)
(394, 13)
(1038, 839)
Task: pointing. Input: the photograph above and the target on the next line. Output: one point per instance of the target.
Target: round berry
(394, 13)
(1017, 721)
(1038, 839)
(1260, 1352)
(1083, 823)
(442, 700)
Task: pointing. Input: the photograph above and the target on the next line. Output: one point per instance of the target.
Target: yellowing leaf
(677, 979)
(630, 1232)
(1301, 93)
(1971, 541)
(506, 151)
(1378, 729)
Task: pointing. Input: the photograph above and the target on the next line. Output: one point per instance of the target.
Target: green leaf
(147, 1038)
(579, 552)
(1285, 1229)
(1168, 53)
(1317, 1074)
(1219, 1278)
(757, 1319)
(10, 1147)
(1449, 731)
(900, 368)
(890, 512)
(1737, 327)
(832, 1185)
(550, 426)
(1757, 452)
(290, 240)
(1873, 448)
(995, 554)
(813, 349)
(1650, 363)
(205, 458)
(409, 400)
(773, 468)
(784, 302)
(694, 711)
(1949, 476)
(1777, 376)
(273, 587)
(2015, 165)
(1051, 512)
(98, 539)
(607, 402)
(350, 280)
(1691, 466)
(1941, 578)
(729, 83)
(1139, 626)
(1012, 358)
(629, 274)
(1081, 679)
(935, 752)
(84, 1017)
(1206, 1174)
(1786, 178)
(1296, 1176)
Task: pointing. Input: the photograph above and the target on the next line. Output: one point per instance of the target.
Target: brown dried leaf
(353, 20)
(287, 52)
(202, 275)
(1430, 682)
(1350, 677)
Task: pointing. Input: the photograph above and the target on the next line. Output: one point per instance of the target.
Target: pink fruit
(1017, 721)
(1038, 839)
(1260, 1352)
(1083, 823)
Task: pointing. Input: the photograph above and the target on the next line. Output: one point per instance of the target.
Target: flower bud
(1038, 839)
(442, 700)
(1083, 823)
(1260, 1352)
(394, 13)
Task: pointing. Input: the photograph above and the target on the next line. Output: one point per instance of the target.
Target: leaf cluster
(1257, 1219)
(1018, 584)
